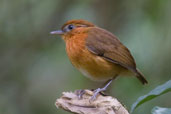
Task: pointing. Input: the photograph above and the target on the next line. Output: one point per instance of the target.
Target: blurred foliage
(34, 68)
(159, 90)
(161, 110)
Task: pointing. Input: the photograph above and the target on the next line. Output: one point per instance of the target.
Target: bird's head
(73, 26)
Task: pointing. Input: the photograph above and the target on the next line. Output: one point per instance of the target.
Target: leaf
(151, 95)
(160, 110)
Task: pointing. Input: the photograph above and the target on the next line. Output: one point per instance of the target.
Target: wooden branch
(102, 105)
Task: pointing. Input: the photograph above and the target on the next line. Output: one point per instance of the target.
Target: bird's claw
(96, 92)
(80, 93)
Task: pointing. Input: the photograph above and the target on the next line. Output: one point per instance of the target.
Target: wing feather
(106, 45)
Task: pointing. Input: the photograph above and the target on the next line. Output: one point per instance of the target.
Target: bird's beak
(60, 32)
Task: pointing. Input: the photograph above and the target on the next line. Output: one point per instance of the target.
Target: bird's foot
(80, 93)
(96, 92)
(101, 93)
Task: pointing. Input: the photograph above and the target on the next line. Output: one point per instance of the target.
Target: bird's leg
(99, 90)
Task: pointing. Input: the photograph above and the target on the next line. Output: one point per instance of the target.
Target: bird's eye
(70, 27)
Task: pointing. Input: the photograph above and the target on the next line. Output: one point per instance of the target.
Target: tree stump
(70, 102)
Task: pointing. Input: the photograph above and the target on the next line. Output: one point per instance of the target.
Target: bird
(97, 53)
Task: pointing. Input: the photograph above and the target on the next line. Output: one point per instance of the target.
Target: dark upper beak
(60, 32)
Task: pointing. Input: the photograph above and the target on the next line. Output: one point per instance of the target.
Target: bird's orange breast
(91, 65)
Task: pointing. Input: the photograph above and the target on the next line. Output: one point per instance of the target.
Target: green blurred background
(34, 67)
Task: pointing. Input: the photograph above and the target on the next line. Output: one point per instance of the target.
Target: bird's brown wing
(106, 45)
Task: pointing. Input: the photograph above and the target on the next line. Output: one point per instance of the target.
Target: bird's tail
(140, 76)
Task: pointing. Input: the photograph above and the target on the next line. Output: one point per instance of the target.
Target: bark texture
(70, 102)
